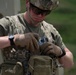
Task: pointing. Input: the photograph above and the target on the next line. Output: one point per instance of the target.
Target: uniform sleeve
(4, 26)
(58, 38)
(59, 41)
(2, 31)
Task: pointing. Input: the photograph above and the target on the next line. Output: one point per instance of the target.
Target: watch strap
(63, 53)
(11, 37)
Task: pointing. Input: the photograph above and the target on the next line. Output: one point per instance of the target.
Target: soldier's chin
(38, 20)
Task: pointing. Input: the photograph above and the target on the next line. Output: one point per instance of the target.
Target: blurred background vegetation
(64, 19)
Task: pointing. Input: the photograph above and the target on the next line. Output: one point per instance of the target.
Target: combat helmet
(45, 4)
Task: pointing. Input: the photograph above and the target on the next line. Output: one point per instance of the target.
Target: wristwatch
(11, 37)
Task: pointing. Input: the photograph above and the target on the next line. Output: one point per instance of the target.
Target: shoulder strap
(24, 22)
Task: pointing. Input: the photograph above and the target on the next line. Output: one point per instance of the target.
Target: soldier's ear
(27, 4)
(27, 1)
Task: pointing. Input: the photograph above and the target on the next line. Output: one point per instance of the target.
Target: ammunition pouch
(11, 69)
(22, 63)
(15, 63)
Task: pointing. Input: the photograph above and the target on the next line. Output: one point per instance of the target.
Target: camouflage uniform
(17, 25)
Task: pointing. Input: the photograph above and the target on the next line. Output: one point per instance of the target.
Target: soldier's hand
(50, 48)
(28, 40)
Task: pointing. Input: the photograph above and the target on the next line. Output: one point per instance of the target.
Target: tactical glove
(50, 48)
(28, 40)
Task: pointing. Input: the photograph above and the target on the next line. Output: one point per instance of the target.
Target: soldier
(22, 32)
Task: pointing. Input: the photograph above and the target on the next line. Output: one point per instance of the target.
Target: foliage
(64, 19)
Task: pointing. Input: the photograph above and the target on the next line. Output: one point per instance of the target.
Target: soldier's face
(37, 14)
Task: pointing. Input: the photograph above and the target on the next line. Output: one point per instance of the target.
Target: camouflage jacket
(17, 25)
